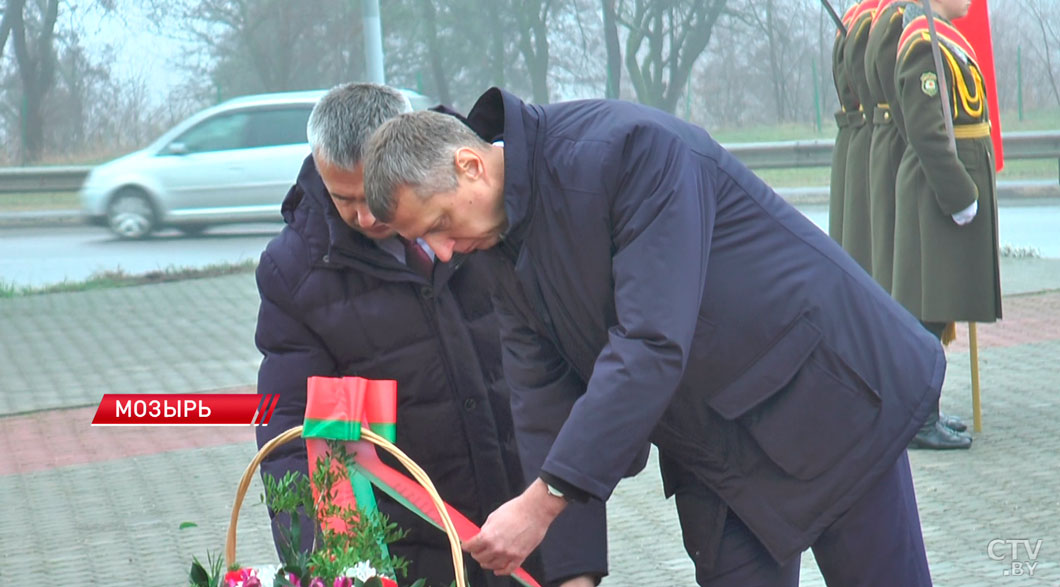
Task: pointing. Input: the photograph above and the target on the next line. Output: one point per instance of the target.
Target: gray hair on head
(346, 116)
(415, 150)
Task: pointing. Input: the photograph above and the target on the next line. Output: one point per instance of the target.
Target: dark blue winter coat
(654, 289)
(333, 303)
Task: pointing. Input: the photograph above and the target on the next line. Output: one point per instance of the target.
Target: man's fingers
(474, 545)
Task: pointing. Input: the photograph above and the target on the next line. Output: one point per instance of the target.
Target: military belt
(977, 130)
(882, 114)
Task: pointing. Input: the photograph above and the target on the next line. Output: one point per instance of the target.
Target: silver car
(230, 163)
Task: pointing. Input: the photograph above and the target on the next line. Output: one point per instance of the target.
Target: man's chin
(377, 234)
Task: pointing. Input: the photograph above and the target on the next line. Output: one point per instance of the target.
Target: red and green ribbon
(335, 410)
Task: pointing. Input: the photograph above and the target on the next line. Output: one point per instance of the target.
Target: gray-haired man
(651, 288)
(338, 297)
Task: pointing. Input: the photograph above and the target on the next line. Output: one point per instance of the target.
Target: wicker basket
(417, 474)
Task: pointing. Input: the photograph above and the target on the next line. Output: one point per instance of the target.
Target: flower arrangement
(356, 556)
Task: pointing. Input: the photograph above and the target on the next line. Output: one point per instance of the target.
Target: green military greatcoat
(888, 141)
(857, 232)
(848, 117)
(944, 272)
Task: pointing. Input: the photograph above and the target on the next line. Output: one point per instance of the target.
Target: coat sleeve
(661, 210)
(576, 543)
(291, 353)
(925, 128)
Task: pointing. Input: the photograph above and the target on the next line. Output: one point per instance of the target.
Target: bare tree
(532, 16)
(614, 50)
(675, 33)
(32, 41)
(1044, 15)
(6, 22)
(266, 45)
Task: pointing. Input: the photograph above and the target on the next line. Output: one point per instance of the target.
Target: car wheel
(130, 214)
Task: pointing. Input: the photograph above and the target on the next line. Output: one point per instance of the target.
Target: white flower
(267, 574)
(361, 571)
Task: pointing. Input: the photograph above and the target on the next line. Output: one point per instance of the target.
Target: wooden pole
(973, 344)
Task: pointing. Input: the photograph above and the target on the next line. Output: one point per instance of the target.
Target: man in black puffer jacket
(337, 298)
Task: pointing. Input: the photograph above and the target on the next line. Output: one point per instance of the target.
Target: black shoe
(953, 423)
(938, 437)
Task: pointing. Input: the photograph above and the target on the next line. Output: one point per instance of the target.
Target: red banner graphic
(185, 409)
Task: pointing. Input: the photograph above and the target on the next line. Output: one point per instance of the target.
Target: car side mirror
(177, 148)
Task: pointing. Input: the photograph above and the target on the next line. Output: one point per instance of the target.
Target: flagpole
(835, 16)
(973, 346)
(947, 115)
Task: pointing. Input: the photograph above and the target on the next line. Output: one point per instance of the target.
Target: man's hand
(515, 529)
(967, 215)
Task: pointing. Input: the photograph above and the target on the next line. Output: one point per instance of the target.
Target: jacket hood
(308, 210)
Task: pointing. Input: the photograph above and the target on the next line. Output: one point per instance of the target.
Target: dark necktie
(416, 258)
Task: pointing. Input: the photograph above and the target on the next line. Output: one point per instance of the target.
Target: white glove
(967, 215)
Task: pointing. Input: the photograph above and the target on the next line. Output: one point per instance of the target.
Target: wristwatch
(555, 492)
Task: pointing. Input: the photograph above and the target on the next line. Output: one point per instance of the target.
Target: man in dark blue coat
(654, 289)
(339, 297)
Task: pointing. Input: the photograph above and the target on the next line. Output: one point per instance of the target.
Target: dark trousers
(877, 542)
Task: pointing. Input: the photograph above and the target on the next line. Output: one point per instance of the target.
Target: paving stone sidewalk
(87, 506)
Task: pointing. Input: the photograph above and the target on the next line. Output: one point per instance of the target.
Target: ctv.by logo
(1012, 550)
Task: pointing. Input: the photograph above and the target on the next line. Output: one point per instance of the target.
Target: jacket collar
(308, 209)
(500, 115)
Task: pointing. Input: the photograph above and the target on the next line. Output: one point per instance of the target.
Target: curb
(41, 218)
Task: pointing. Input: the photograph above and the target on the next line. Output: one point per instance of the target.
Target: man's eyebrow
(343, 198)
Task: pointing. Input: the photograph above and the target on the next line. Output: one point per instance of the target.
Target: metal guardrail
(22, 180)
(776, 155)
(818, 152)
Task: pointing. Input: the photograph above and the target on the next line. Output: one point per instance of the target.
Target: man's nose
(442, 247)
(364, 217)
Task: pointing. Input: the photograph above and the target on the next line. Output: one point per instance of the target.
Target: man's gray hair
(346, 116)
(415, 150)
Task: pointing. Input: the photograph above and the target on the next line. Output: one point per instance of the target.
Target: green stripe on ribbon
(387, 431)
(332, 429)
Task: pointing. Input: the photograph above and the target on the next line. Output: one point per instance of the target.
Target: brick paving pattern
(85, 505)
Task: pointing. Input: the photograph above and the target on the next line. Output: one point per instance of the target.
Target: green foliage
(365, 536)
(209, 575)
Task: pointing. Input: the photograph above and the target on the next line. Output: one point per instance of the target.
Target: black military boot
(952, 422)
(933, 435)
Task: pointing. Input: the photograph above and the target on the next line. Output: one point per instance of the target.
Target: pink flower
(343, 582)
(317, 582)
(242, 578)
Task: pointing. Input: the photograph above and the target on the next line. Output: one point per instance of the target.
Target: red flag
(975, 26)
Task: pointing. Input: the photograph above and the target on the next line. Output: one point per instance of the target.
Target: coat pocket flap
(770, 372)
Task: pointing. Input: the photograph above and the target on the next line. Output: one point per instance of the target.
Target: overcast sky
(137, 51)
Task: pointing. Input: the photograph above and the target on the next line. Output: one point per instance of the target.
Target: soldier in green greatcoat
(886, 150)
(888, 143)
(846, 117)
(857, 232)
(946, 265)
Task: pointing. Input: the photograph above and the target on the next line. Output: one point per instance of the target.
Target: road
(1034, 226)
(41, 256)
(33, 257)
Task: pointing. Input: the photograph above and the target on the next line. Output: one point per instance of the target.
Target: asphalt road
(37, 256)
(1027, 226)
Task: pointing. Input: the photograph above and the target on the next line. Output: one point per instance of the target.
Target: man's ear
(469, 163)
